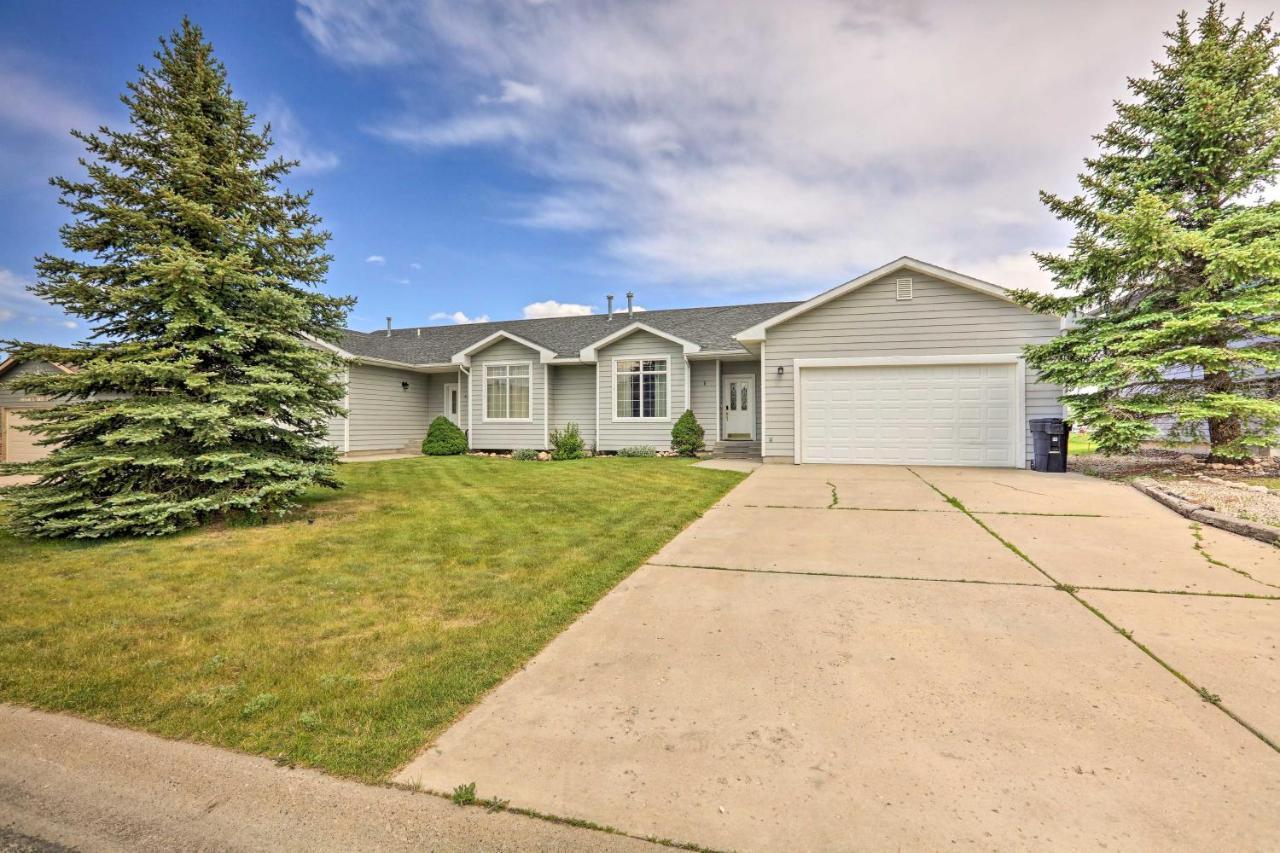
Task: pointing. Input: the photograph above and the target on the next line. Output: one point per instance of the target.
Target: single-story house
(909, 363)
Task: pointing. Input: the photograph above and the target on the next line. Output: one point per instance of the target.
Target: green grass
(1080, 444)
(1269, 482)
(351, 635)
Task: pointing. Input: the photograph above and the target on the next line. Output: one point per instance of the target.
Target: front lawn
(347, 637)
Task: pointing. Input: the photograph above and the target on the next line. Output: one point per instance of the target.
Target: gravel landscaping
(1237, 490)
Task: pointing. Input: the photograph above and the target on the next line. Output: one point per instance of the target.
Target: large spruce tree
(1173, 276)
(197, 394)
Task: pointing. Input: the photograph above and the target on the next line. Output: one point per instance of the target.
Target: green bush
(639, 450)
(525, 454)
(687, 435)
(567, 444)
(444, 438)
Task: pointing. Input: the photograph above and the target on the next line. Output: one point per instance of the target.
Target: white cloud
(552, 308)
(785, 146)
(292, 141)
(31, 103)
(415, 266)
(514, 93)
(376, 259)
(19, 304)
(459, 317)
(449, 133)
(394, 280)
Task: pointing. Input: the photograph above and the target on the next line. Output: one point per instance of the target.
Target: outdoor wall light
(779, 369)
(404, 385)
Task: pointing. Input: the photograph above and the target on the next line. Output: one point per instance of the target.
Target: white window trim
(484, 393)
(613, 392)
(1019, 419)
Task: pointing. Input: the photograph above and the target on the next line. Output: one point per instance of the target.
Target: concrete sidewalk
(69, 782)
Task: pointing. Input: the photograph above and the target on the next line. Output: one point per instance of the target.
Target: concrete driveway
(845, 658)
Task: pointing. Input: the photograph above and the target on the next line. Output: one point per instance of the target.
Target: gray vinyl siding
(508, 435)
(11, 398)
(573, 399)
(337, 426)
(941, 319)
(616, 434)
(703, 378)
(384, 415)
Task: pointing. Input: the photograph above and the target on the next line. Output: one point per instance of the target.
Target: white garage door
(18, 445)
(937, 414)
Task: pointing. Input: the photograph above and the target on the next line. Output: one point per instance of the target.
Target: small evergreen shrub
(687, 435)
(525, 454)
(567, 444)
(444, 438)
(639, 450)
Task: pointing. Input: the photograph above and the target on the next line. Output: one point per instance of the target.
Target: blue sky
(519, 158)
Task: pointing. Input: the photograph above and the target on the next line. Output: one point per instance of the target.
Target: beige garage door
(937, 414)
(18, 444)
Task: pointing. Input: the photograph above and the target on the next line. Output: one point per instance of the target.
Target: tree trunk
(1223, 431)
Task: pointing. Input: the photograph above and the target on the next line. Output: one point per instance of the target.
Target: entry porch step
(736, 450)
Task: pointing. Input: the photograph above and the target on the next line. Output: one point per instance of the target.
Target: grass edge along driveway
(350, 635)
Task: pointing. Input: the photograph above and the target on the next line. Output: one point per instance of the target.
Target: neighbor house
(909, 363)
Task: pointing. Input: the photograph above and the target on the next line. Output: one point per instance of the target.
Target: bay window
(506, 392)
(640, 387)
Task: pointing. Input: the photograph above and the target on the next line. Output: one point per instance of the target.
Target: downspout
(719, 412)
(764, 396)
(546, 396)
(688, 381)
(596, 449)
(464, 371)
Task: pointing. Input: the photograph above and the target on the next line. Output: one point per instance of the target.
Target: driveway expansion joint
(851, 576)
(1200, 690)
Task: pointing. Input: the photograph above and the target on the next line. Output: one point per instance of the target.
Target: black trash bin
(1050, 444)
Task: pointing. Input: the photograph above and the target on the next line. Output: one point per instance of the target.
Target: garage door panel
(919, 414)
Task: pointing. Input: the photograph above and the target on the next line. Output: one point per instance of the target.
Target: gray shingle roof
(711, 328)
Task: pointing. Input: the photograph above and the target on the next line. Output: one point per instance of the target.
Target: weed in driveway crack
(1201, 691)
(835, 497)
(1198, 545)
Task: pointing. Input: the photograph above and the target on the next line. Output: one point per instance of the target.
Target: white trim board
(758, 332)
(1019, 418)
(589, 352)
(463, 357)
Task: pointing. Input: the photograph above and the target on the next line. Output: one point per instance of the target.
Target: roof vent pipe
(630, 296)
(610, 298)
(388, 327)
(419, 331)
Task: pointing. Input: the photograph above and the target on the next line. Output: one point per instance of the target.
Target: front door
(738, 401)
(452, 401)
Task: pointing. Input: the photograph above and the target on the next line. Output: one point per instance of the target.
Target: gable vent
(904, 289)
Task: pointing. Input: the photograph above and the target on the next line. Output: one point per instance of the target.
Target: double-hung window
(640, 387)
(506, 392)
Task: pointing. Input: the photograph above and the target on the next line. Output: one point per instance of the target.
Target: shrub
(525, 454)
(444, 438)
(687, 435)
(567, 444)
(640, 450)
